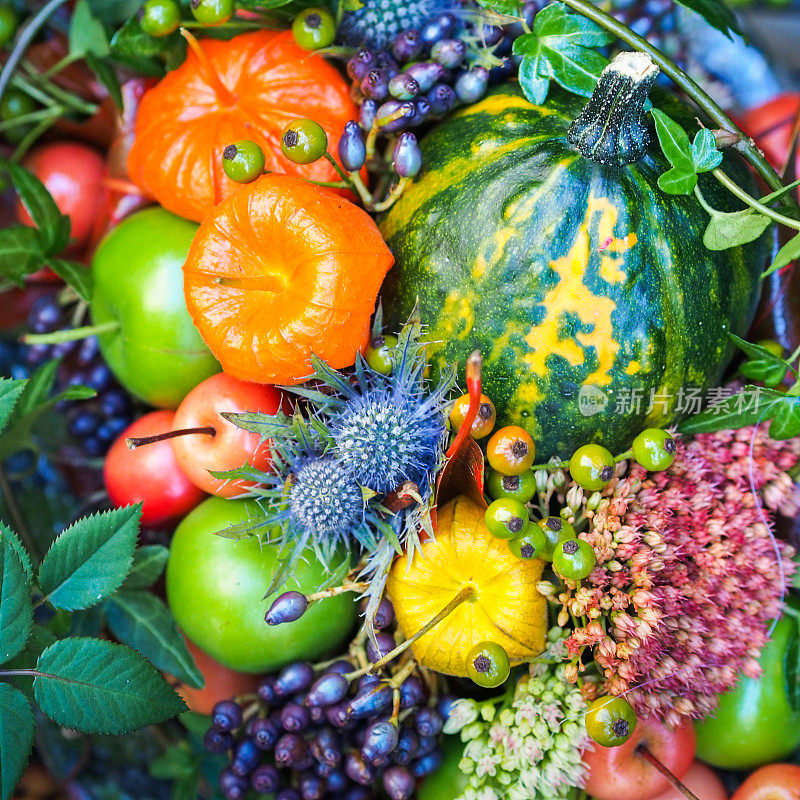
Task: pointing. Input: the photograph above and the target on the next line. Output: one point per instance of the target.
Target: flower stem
(71, 335)
(673, 779)
(393, 197)
(745, 145)
(337, 590)
(139, 441)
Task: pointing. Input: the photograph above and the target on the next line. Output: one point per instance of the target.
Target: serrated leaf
(752, 405)
(715, 13)
(105, 73)
(95, 686)
(140, 620)
(86, 34)
(90, 559)
(39, 640)
(786, 420)
(16, 738)
(52, 225)
(19, 548)
(149, 563)
(677, 180)
(75, 274)
(734, 228)
(265, 425)
(788, 253)
(704, 151)
(21, 253)
(16, 609)
(10, 391)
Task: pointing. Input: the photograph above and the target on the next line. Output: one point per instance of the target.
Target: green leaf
(114, 12)
(146, 54)
(140, 620)
(75, 274)
(786, 421)
(762, 365)
(90, 559)
(176, 762)
(734, 228)
(149, 562)
(105, 73)
(95, 686)
(704, 151)
(674, 141)
(40, 639)
(86, 34)
(21, 252)
(753, 404)
(10, 391)
(788, 253)
(715, 13)
(575, 68)
(556, 23)
(16, 738)
(75, 392)
(354, 5)
(16, 609)
(7, 534)
(677, 180)
(186, 787)
(52, 225)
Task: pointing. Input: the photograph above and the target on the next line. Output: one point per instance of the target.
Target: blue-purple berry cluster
(331, 732)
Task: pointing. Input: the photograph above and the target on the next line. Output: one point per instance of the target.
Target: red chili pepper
(474, 390)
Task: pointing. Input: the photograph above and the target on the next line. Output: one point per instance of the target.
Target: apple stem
(673, 779)
(70, 334)
(135, 442)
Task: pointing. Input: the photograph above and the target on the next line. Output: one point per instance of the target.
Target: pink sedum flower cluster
(688, 576)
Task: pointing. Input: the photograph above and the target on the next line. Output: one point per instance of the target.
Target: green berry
(592, 467)
(555, 530)
(488, 665)
(518, 487)
(304, 141)
(160, 17)
(654, 449)
(610, 721)
(212, 12)
(531, 544)
(14, 104)
(314, 28)
(380, 354)
(243, 161)
(574, 559)
(9, 22)
(507, 518)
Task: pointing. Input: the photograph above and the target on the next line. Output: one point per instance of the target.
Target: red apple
(772, 782)
(229, 447)
(701, 780)
(150, 474)
(622, 773)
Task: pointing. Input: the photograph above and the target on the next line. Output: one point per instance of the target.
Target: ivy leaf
(731, 229)
(16, 609)
(105, 73)
(677, 148)
(753, 404)
(677, 181)
(16, 738)
(52, 226)
(90, 559)
(786, 421)
(86, 34)
(559, 48)
(716, 14)
(762, 364)
(21, 253)
(140, 620)
(75, 274)
(149, 562)
(788, 253)
(705, 155)
(95, 686)
(10, 391)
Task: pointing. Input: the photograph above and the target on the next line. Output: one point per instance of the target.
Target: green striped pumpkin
(584, 286)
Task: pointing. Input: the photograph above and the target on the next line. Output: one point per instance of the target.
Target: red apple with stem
(625, 773)
(149, 475)
(700, 779)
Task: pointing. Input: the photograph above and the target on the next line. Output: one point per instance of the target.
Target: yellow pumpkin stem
(211, 75)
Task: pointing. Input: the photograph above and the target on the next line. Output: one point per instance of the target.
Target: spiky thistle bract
(339, 464)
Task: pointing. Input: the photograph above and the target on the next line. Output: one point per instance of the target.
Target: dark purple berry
(326, 747)
(294, 678)
(366, 681)
(327, 689)
(407, 45)
(407, 161)
(428, 722)
(371, 702)
(232, 786)
(367, 114)
(422, 109)
(426, 74)
(295, 718)
(471, 86)
(357, 793)
(216, 741)
(246, 757)
(45, 315)
(291, 751)
(337, 781)
(412, 692)
(226, 716)
(429, 763)
(380, 739)
(441, 98)
(265, 779)
(88, 351)
(323, 770)
(265, 733)
(504, 70)
(375, 84)
(312, 787)
(352, 147)
(288, 607)
(441, 26)
(407, 746)
(445, 705)
(342, 667)
(384, 61)
(360, 64)
(398, 783)
(288, 793)
(449, 52)
(426, 745)
(403, 87)
(357, 770)
(384, 615)
(338, 715)
(384, 642)
(266, 690)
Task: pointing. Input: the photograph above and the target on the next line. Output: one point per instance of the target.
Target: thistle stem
(745, 145)
(139, 441)
(673, 779)
(71, 335)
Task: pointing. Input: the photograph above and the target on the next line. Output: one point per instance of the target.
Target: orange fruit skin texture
(184, 123)
(507, 609)
(309, 265)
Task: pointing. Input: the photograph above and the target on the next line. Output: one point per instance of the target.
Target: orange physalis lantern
(250, 87)
(281, 269)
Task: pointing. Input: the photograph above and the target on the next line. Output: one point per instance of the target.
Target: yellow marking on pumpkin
(456, 320)
(500, 103)
(570, 295)
(633, 367)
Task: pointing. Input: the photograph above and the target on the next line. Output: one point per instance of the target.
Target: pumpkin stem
(225, 95)
(612, 128)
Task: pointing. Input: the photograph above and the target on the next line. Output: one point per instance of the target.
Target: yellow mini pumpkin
(506, 609)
